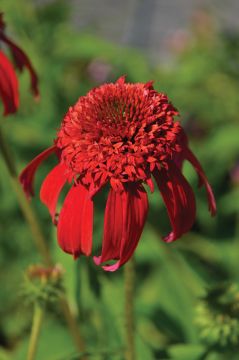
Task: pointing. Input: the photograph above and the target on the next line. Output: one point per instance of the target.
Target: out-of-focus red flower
(8, 79)
(8, 85)
(123, 135)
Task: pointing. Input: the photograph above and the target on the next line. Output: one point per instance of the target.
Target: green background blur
(202, 81)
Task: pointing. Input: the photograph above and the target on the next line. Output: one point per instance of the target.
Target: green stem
(36, 327)
(32, 222)
(38, 237)
(7, 157)
(129, 273)
(73, 326)
(24, 203)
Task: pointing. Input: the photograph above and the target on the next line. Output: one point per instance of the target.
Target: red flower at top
(8, 79)
(123, 135)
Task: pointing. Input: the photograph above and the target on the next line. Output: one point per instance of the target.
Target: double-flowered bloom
(124, 135)
(8, 78)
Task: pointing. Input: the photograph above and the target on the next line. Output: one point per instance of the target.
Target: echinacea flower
(8, 79)
(123, 135)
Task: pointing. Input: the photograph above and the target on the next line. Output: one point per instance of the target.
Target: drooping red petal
(125, 216)
(27, 175)
(75, 225)
(21, 60)
(179, 200)
(187, 154)
(51, 187)
(8, 86)
(202, 179)
(113, 227)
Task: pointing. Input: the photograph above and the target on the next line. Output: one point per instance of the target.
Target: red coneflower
(122, 134)
(8, 79)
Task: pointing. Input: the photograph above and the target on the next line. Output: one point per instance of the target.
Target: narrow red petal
(179, 200)
(51, 187)
(8, 86)
(202, 180)
(75, 225)
(180, 156)
(21, 61)
(112, 228)
(150, 184)
(121, 80)
(27, 175)
(125, 217)
(187, 154)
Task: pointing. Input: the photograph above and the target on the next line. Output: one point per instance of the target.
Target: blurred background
(186, 292)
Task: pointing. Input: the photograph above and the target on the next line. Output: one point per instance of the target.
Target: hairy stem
(31, 220)
(37, 234)
(73, 326)
(35, 332)
(129, 273)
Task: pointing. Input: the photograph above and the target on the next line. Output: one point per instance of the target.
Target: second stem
(38, 236)
(129, 272)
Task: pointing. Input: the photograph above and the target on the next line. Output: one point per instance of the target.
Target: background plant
(203, 83)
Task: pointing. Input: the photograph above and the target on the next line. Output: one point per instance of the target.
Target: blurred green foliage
(203, 83)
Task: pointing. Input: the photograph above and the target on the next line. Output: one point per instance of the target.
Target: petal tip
(169, 238)
(111, 268)
(97, 260)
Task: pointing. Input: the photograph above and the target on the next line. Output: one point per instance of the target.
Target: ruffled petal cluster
(124, 135)
(8, 80)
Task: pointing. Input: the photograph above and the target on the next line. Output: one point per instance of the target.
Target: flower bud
(218, 316)
(43, 285)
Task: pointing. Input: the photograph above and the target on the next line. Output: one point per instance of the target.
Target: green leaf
(186, 352)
